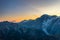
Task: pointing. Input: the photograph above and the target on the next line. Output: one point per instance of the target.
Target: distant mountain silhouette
(45, 27)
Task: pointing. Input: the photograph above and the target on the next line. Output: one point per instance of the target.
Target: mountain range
(45, 27)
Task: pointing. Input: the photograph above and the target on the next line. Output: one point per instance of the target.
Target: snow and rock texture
(43, 28)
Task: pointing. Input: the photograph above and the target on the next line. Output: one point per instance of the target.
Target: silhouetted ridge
(46, 17)
(45, 27)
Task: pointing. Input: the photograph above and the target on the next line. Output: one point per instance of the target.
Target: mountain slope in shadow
(43, 28)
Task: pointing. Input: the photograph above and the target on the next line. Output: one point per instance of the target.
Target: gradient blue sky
(27, 9)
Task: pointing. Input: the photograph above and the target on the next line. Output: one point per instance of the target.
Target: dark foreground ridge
(44, 28)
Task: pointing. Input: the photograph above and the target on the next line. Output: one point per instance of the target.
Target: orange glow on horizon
(26, 18)
(19, 19)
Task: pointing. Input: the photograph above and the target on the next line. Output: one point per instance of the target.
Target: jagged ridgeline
(44, 28)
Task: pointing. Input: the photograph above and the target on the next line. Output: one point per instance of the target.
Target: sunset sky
(18, 10)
